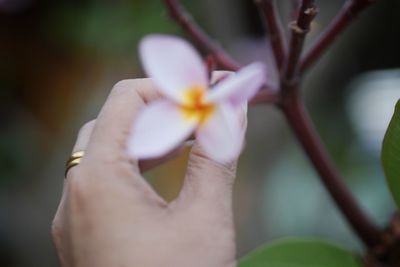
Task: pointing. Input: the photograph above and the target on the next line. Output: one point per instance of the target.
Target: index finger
(108, 140)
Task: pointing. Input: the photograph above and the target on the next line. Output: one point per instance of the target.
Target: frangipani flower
(190, 106)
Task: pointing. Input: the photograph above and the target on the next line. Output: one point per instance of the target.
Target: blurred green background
(59, 60)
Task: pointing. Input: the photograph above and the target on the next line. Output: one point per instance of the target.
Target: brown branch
(288, 100)
(182, 17)
(210, 64)
(273, 23)
(295, 9)
(299, 30)
(265, 96)
(308, 137)
(347, 14)
(304, 130)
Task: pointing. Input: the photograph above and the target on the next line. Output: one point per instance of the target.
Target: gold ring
(73, 160)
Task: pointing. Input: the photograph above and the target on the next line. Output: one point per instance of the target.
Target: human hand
(110, 216)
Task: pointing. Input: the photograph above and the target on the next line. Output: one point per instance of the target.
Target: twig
(210, 63)
(347, 14)
(303, 128)
(182, 17)
(295, 9)
(287, 98)
(265, 96)
(273, 23)
(299, 30)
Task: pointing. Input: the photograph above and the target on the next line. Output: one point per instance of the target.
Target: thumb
(209, 182)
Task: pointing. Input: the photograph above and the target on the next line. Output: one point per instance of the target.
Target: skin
(110, 216)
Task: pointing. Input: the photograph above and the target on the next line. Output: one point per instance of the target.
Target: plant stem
(295, 9)
(347, 14)
(305, 132)
(265, 95)
(182, 18)
(273, 23)
(288, 100)
(299, 30)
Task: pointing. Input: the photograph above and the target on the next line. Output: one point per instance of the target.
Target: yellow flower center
(194, 106)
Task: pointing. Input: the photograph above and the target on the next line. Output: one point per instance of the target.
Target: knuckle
(58, 237)
(88, 181)
(80, 197)
(84, 187)
(78, 187)
(199, 161)
(56, 229)
(142, 88)
(87, 126)
(123, 86)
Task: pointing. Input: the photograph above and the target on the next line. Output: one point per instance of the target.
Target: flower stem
(183, 18)
(273, 23)
(299, 30)
(287, 97)
(348, 13)
(306, 134)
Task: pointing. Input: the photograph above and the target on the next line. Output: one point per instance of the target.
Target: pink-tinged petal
(173, 64)
(221, 136)
(239, 87)
(159, 128)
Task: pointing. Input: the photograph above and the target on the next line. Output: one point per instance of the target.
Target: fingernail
(245, 108)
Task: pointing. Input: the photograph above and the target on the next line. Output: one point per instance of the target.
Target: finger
(117, 115)
(106, 162)
(80, 145)
(209, 182)
(84, 136)
(82, 141)
(108, 142)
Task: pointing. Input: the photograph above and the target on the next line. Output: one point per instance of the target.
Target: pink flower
(189, 105)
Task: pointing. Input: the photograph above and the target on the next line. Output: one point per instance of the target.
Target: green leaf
(300, 253)
(391, 155)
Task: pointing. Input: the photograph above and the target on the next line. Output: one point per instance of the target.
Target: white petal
(158, 129)
(239, 87)
(221, 137)
(173, 64)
